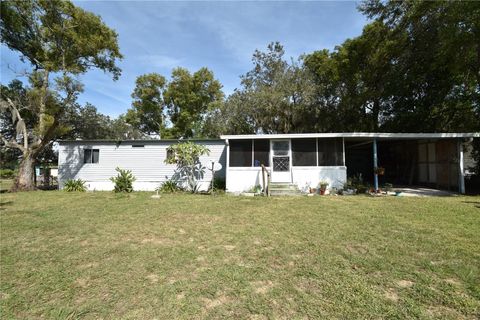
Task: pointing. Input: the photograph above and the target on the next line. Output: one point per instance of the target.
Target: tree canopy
(59, 40)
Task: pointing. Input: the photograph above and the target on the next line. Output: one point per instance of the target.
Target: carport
(434, 160)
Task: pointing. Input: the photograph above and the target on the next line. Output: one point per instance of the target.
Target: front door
(281, 160)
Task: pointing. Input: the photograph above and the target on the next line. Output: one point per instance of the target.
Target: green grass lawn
(5, 184)
(99, 255)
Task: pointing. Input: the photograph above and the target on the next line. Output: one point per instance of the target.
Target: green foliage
(146, 113)
(169, 186)
(274, 97)
(356, 182)
(75, 185)
(186, 155)
(188, 98)
(7, 173)
(59, 40)
(123, 181)
(323, 185)
(404, 73)
(388, 186)
(59, 36)
(219, 184)
(255, 189)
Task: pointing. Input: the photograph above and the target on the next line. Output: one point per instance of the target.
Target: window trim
(92, 150)
(251, 157)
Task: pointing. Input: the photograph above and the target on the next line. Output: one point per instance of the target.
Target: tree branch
(12, 144)
(19, 123)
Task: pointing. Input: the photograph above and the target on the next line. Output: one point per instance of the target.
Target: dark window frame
(241, 152)
(91, 158)
(333, 152)
(260, 153)
(300, 155)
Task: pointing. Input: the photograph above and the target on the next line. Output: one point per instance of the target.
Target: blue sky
(158, 36)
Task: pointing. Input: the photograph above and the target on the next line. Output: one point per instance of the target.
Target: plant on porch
(323, 186)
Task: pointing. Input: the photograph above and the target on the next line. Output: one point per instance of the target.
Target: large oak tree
(60, 41)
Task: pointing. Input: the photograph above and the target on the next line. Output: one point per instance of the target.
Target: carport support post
(375, 165)
(461, 174)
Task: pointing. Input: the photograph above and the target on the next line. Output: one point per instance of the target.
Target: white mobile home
(95, 161)
(303, 160)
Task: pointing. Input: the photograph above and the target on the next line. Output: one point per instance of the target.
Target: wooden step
(284, 189)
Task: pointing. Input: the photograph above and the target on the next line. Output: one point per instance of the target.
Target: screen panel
(261, 152)
(304, 152)
(241, 153)
(330, 152)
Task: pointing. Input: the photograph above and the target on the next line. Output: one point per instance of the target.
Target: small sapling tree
(186, 155)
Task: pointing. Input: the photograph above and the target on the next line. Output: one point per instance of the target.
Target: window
(330, 152)
(138, 146)
(91, 155)
(170, 154)
(240, 153)
(261, 152)
(304, 152)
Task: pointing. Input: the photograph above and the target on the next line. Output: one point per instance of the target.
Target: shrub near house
(123, 181)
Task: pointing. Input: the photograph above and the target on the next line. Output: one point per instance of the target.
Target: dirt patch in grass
(405, 283)
(158, 241)
(229, 247)
(153, 278)
(443, 312)
(262, 287)
(215, 302)
(357, 249)
(391, 295)
(453, 282)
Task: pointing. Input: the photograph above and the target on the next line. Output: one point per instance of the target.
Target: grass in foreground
(5, 185)
(99, 255)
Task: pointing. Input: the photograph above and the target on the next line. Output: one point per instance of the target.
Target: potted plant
(322, 186)
(379, 171)
(388, 187)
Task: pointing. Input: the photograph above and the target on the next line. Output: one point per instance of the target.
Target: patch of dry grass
(100, 255)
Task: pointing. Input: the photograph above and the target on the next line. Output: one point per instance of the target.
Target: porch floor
(423, 192)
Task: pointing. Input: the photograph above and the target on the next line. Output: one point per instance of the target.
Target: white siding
(147, 163)
(336, 176)
(243, 179)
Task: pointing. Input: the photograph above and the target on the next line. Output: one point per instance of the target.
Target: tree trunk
(24, 181)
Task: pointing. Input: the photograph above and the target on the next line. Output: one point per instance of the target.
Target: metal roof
(356, 135)
(379, 135)
(139, 141)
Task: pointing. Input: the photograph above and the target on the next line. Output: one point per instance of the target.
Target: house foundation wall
(244, 179)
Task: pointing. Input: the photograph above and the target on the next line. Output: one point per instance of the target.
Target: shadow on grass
(476, 204)
(5, 203)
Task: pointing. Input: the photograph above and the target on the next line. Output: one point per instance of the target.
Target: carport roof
(378, 135)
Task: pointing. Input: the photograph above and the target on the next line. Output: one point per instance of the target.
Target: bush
(123, 181)
(77, 185)
(356, 182)
(169, 186)
(7, 173)
(219, 184)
